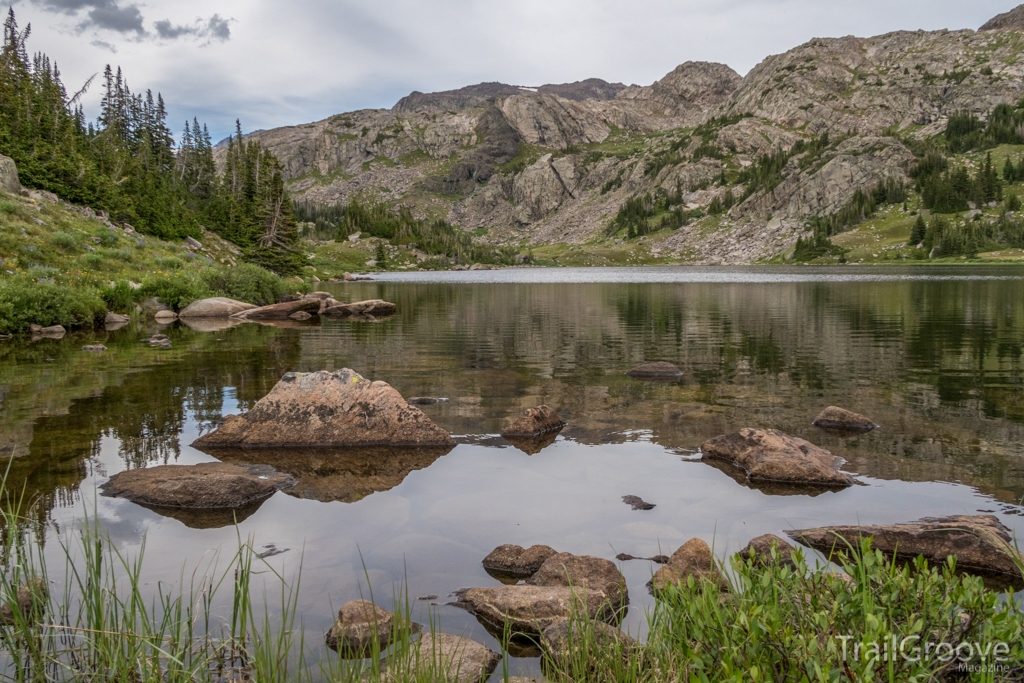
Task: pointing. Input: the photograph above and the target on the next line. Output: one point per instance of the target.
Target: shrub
(65, 241)
(247, 282)
(25, 302)
(120, 296)
(177, 290)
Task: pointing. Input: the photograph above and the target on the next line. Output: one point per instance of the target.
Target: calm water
(936, 356)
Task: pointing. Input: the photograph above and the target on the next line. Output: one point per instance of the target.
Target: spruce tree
(918, 232)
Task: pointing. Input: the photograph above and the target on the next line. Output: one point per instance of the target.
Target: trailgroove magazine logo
(972, 656)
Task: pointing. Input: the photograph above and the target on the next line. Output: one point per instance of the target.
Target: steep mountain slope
(560, 164)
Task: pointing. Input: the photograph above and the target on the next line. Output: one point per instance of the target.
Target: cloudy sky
(281, 63)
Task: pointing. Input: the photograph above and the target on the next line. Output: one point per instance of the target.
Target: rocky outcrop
(209, 485)
(516, 562)
(690, 89)
(840, 419)
(328, 409)
(543, 187)
(552, 121)
(980, 543)
(658, 370)
(281, 311)
(1007, 21)
(361, 626)
(767, 549)
(533, 423)
(583, 571)
(590, 89)
(769, 455)
(448, 658)
(694, 558)
(528, 610)
(9, 176)
(216, 307)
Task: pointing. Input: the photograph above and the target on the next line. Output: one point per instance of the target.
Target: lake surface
(934, 355)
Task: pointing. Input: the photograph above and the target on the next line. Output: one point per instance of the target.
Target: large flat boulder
(693, 558)
(209, 485)
(528, 610)
(328, 410)
(843, 420)
(377, 308)
(771, 455)
(442, 658)
(533, 423)
(281, 311)
(980, 543)
(583, 571)
(217, 307)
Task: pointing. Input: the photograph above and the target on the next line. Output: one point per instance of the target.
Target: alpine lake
(935, 355)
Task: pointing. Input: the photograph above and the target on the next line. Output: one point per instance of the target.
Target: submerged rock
(165, 315)
(360, 624)
(300, 316)
(762, 546)
(279, 311)
(28, 605)
(52, 332)
(377, 308)
(516, 562)
(533, 423)
(770, 455)
(216, 307)
(528, 610)
(981, 544)
(207, 485)
(638, 503)
(694, 558)
(658, 370)
(328, 409)
(116, 319)
(425, 401)
(94, 348)
(449, 658)
(840, 419)
(583, 571)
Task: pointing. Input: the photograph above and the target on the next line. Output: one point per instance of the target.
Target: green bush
(177, 290)
(65, 241)
(247, 282)
(120, 297)
(25, 302)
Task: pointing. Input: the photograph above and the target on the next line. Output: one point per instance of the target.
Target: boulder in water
(360, 623)
(216, 307)
(760, 550)
(377, 308)
(528, 610)
(770, 455)
(448, 658)
(583, 571)
(693, 558)
(279, 311)
(840, 419)
(208, 485)
(533, 423)
(328, 409)
(514, 561)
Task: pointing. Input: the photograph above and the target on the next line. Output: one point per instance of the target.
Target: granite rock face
(328, 410)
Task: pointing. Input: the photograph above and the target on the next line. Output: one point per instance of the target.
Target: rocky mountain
(556, 163)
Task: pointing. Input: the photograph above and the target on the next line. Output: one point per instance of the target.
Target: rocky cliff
(555, 163)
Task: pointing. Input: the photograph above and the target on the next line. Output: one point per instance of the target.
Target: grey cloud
(104, 45)
(126, 19)
(214, 28)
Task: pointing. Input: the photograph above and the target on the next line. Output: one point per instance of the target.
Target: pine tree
(918, 232)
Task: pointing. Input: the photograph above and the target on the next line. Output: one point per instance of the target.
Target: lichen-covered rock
(528, 610)
(328, 409)
(9, 176)
(840, 419)
(447, 658)
(694, 558)
(770, 455)
(583, 571)
(533, 423)
(980, 543)
(208, 485)
(760, 550)
(515, 561)
(216, 307)
(359, 626)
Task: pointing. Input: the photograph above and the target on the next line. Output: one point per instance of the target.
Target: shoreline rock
(449, 658)
(583, 571)
(516, 562)
(693, 558)
(528, 610)
(761, 547)
(360, 623)
(377, 308)
(210, 485)
(328, 410)
(279, 311)
(215, 307)
(770, 455)
(981, 544)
